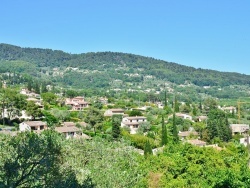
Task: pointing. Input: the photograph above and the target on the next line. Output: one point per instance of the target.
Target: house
(30, 94)
(77, 103)
(133, 122)
(197, 142)
(69, 132)
(184, 116)
(114, 111)
(239, 128)
(32, 125)
(230, 109)
(72, 124)
(36, 101)
(202, 118)
(103, 100)
(69, 124)
(245, 141)
(183, 135)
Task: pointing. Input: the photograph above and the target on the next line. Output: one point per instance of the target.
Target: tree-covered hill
(109, 66)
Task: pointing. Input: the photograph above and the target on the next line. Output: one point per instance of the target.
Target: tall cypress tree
(165, 99)
(164, 138)
(147, 149)
(175, 133)
(29, 85)
(116, 122)
(176, 106)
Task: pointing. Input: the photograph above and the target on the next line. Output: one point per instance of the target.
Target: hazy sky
(211, 34)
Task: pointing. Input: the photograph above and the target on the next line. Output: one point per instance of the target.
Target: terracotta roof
(66, 129)
(69, 124)
(35, 123)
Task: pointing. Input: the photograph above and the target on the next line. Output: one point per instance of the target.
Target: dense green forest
(108, 66)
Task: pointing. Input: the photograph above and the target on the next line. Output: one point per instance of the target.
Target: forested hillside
(108, 66)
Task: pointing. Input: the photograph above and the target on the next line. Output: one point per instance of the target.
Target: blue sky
(211, 34)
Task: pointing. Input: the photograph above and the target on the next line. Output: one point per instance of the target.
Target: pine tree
(164, 138)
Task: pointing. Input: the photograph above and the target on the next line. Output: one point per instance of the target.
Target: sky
(210, 34)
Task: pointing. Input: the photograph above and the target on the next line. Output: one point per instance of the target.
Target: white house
(133, 122)
(202, 118)
(239, 128)
(32, 125)
(184, 116)
(230, 109)
(69, 132)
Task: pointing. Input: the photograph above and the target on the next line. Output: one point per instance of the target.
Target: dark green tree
(33, 110)
(164, 136)
(34, 160)
(94, 118)
(116, 123)
(176, 105)
(49, 97)
(174, 129)
(29, 86)
(218, 126)
(147, 149)
(37, 88)
(135, 113)
(50, 119)
(165, 99)
(44, 88)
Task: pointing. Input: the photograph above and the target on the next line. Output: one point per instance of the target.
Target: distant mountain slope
(111, 65)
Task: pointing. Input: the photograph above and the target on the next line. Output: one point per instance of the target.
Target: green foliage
(94, 118)
(32, 160)
(135, 113)
(116, 123)
(51, 120)
(184, 165)
(144, 127)
(11, 102)
(218, 126)
(147, 149)
(164, 137)
(49, 97)
(138, 140)
(174, 130)
(33, 110)
(107, 164)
